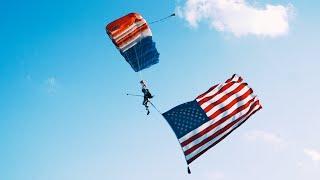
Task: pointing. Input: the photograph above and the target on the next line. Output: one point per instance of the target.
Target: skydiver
(146, 95)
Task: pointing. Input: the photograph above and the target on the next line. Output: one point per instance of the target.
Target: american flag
(202, 123)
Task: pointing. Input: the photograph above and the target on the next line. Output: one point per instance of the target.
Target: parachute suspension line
(126, 57)
(141, 47)
(163, 19)
(140, 54)
(138, 60)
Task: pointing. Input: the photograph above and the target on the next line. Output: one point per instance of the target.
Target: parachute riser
(163, 19)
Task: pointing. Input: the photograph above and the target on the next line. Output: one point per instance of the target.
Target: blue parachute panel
(142, 55)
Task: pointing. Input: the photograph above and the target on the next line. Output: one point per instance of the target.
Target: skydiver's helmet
(143, 84)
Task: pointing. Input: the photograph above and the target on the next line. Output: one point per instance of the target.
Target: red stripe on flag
(202, 95)
(233, 76)
(214, 125)
(229, 80)
(226, 96)
(225, 87)
(220, 131)
(228, 106)
(202, 152)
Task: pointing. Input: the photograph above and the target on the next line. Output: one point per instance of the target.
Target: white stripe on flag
(219, 96)
(212, 92)
(200, 149)
(223, 124)
(227, 101)
(209, 123)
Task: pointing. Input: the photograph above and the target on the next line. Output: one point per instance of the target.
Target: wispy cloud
(238, 17)
(271, 138)
(313, 154)
(51, 85)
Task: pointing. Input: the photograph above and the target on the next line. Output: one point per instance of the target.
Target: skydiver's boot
(147, 108)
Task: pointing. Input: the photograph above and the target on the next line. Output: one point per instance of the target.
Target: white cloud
(273, 139)
(51, 85)
(238, 17)
(312, 153)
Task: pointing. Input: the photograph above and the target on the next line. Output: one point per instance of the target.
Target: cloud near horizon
(313, 154)
(237, 17)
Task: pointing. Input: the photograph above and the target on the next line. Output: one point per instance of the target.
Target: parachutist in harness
(146, 95)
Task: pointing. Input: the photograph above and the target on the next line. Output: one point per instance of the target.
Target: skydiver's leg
(145, 103)
(147, 107)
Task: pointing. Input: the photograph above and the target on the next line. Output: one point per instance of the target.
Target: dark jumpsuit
(146, 96)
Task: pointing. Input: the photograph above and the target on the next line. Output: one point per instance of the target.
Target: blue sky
(64, 114)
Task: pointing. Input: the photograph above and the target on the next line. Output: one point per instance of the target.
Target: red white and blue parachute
(132, 36)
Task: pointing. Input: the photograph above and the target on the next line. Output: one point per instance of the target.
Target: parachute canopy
(132, 36)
